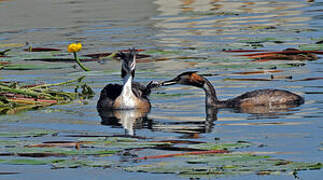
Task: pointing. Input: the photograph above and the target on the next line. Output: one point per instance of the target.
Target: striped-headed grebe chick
(261, 97)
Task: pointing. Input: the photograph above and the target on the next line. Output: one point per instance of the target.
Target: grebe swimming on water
(130, 95)
(261, 97)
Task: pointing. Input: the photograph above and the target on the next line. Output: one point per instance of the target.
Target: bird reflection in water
(130, 120)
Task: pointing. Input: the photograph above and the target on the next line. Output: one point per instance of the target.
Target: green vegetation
(15, 96)
(199, 159)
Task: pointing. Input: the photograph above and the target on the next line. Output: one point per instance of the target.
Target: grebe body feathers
(130, 95)
(261, 97)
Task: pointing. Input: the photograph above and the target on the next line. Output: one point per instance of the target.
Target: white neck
(127, 96)
(127, 85)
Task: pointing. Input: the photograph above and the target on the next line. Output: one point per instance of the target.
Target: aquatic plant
(15, 96)
(74, 48)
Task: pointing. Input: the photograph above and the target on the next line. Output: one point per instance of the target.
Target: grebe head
(128, 66)
(190, 78)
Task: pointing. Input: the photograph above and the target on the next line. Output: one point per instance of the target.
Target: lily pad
(41, 49)
(123, 143)
(26, 161)
(34, 66)
(311, 47)
(71, 163)
(56, 151)
(225, 165)
(12, 45)
(163, 52)
(265, 39)
(221, 146)
(29, 133)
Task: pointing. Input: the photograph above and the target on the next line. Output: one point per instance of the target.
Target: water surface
(189, 35)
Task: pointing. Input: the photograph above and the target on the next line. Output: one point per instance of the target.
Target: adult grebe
(130, 95)
(261, 97)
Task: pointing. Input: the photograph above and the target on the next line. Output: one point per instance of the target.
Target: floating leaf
(220, 146)
(241, 50)
(287, 54)
(26, 162)
(41, 49)
(71, 60)
(311, 47)
(163, 52)
(215, 165)
(33, 67)
(124, 143)
(12, 45)
(81, 163)
(29, 133)
(59, 144)
(55, 151)
(263, 40)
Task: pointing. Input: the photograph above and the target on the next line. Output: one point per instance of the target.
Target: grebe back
(261, 97)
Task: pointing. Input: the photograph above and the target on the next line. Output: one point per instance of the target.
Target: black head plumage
(128, 62)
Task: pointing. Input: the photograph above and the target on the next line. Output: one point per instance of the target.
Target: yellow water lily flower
(74, 47)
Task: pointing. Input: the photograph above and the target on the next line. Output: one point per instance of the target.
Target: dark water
(194, 34)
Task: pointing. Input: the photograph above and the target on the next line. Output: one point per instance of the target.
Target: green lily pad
(311, 47)
(57, 151)
(265, 39)
(70, 163)
(11, 45)
(163, 52)
(26, 162)
(29, 133)
(122, 143)
(225, 165)
(34, 66)
(220, 146)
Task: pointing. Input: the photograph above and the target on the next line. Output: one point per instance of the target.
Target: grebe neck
(127, 86)
(210, 94)
(127, 97)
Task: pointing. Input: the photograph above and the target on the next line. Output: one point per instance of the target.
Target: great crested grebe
(261, 97)
(130, 95)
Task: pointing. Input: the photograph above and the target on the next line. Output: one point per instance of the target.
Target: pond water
(180, 35)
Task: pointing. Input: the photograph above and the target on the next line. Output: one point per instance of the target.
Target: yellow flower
(74, 47)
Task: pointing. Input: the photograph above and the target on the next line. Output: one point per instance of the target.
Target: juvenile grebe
(130, 95)
(261, 97)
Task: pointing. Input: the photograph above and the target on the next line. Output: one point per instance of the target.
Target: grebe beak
(168, 83)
